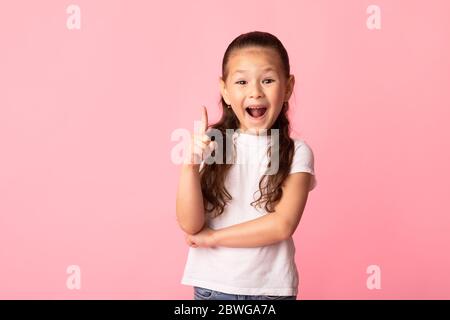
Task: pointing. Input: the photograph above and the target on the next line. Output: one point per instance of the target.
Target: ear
(289, 87)
(223, 90)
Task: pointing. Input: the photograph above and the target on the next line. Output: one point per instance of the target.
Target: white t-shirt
(267, 270)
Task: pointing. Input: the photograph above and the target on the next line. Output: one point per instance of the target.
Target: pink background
(86, 118)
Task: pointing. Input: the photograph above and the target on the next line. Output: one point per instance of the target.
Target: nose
(255, 91)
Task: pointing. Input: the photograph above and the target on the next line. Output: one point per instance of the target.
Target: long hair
(212, 176)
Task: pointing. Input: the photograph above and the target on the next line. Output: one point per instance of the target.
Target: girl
(241, 245)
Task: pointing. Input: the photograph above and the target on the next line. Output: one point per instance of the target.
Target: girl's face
(256, 87)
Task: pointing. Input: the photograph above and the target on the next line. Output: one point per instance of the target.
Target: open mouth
(256, 111)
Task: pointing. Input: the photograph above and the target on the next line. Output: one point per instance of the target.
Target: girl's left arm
(266, 230)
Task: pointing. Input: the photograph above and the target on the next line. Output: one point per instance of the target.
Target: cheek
(236, 95)
(276, 92)
(278, 99)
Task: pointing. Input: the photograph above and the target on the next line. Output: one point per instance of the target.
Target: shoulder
(302, 148)
(303, 160)
(299, 141)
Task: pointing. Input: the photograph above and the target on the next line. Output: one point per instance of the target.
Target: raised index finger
(204, 126)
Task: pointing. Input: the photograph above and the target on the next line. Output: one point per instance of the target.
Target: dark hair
(215, 195)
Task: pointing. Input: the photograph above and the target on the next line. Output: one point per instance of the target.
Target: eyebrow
(266, 69)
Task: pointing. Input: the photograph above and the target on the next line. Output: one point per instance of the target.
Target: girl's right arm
(189, 207)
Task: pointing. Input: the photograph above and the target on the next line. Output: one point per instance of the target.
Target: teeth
(256, 107)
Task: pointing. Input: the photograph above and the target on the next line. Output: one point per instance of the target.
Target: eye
(240, 82)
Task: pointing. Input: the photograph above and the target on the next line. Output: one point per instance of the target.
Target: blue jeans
(208, 294)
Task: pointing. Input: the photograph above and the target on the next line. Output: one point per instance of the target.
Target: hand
(205, 238)
(201, 145)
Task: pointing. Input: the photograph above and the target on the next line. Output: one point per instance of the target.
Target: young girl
(239, 219)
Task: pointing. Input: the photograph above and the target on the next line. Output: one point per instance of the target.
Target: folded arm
(266, 230)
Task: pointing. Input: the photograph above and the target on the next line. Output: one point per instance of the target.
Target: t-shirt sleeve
(303, 161)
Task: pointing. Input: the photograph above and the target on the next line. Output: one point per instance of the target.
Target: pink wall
(86, 117)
